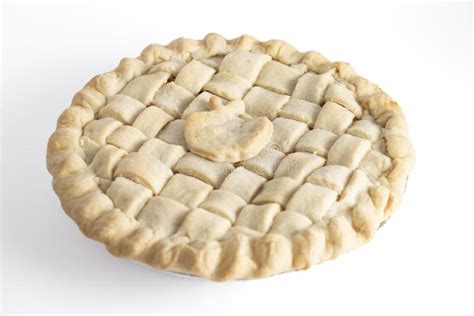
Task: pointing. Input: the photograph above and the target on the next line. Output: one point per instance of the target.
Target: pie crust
(230, 159)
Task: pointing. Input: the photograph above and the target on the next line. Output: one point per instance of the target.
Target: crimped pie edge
(238, 256)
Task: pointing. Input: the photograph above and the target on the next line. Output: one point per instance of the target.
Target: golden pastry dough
(230, 159)
(224, 134)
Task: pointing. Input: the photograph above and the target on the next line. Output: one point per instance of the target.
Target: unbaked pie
(230, 159)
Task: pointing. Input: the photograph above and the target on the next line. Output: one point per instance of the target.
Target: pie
(230, 159)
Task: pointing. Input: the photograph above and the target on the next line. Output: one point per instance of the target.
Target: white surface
(421, 261)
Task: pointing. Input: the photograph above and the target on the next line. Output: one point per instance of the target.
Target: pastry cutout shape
(226, 133)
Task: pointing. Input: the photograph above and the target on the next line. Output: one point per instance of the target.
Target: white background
(420, 262)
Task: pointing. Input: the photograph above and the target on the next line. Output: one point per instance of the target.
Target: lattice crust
(144, 169)
(278, 77)
(172, 66)
(186, 190)
(143, 88)
(105, 160)
(208, 171)
(173, 99)
(348, 151)
(173, 133)
(277, 190)
(265, 162)
(128, 195)
(317, 141)
(244, 64)
(99, 130)
(228, 85)
(311, 87)
(334, 169)
(224, 203)
(168, 154)
(151, 121)
(334, 177)
(200, 104)
(298, 166)
(127, 137)
(262, 102)
(340, 94)
(258, 217)
(200, 224)
(194, 75)
(334, 118)
(122, 108)
(243, 183)
(163, 215)
(312, 200)
(286, 133)
(301, 110)
(213, 62)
